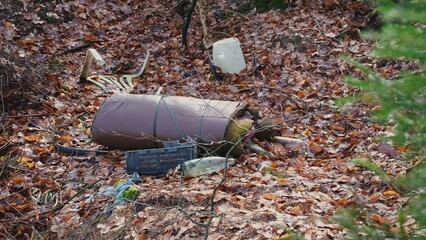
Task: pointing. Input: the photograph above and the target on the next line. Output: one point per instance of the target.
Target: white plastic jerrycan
(227, 55)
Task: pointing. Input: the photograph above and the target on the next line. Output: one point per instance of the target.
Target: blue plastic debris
(160, 160)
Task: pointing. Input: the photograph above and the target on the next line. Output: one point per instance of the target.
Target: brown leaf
(270, 196)
(315, 148)
(297, 210)
(387, 150)
(337, 128)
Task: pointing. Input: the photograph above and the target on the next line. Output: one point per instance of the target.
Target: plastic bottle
(200, 166)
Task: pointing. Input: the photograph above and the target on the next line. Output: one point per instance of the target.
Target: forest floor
(296, 79)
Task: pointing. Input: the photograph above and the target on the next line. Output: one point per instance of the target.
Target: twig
(27, 115)
(6, 234)
(5, 145)
(206, 225)
(239, 14)
(77, 48)
(206, 40)
(288, 96)
(323, 33)
(187, 22)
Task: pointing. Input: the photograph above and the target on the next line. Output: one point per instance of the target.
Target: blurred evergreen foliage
(402, 101)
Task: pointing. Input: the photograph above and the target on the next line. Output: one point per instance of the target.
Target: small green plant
(402, 101)
(130, 193)
(275, 173)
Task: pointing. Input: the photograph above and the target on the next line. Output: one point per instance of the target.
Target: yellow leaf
(26, 161)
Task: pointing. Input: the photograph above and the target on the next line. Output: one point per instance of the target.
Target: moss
(235, 131)
(130, 193)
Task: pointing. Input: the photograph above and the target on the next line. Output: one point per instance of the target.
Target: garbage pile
(158, 123)
(160, 132)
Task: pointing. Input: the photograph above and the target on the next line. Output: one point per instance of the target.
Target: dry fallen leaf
(270, 196)
(293, 75)
(378, 219)
(33, 137)
(297, 210)
(26, 161)
(315, 148)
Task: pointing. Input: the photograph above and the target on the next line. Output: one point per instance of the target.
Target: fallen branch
(206, 40)
(77, 48)
(26, 115)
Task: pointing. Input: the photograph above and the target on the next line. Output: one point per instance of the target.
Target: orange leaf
(179, 93)
(197, 61)
(295, 210)
(402, 148)
(249, 185)
(300, 94)
(18, 180)
(270, 196)
(282, 181)
(288, 108)
(66, 138)
(378, 219)
(28, 205)
(390, 193)
(33, 137)
(91, 38)
(353, 141)
(315, 148)
(337, 128)
(343, 202)
(8, 24)
(28, 42)
(41, 151)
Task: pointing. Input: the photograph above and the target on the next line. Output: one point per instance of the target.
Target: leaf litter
(293, 75)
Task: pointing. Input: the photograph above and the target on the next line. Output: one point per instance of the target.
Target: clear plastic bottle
(200, 166)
